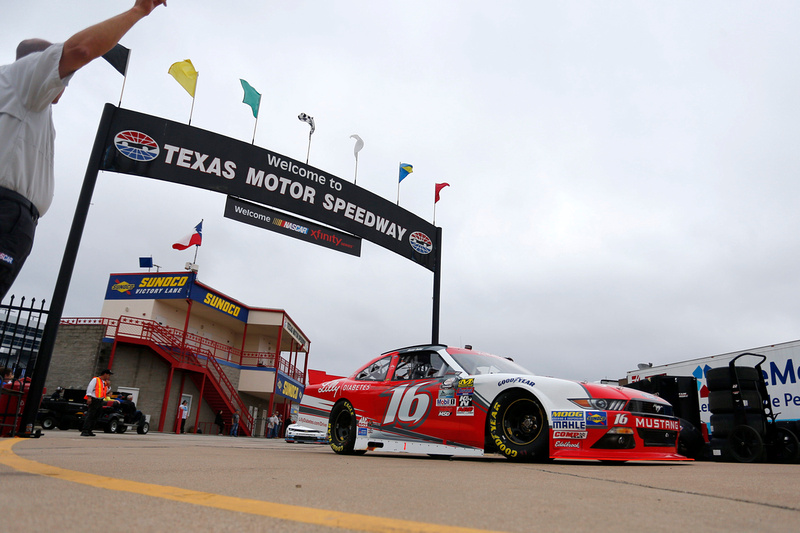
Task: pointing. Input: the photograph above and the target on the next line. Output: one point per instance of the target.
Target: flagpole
(398, 183)
(196, 246)
(124, 78)
(195, 91)
(254, 132)
(308, 153)
(355, 177)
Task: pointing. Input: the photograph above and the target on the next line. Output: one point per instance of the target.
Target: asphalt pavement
(195, 483)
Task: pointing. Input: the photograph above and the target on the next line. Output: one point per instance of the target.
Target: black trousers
(92, 414)
(18, 219)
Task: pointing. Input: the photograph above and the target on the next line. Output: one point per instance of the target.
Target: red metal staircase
(200, 364)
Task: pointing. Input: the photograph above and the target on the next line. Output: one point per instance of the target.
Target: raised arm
(94, 41)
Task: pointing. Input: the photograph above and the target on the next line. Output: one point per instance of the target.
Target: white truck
(781, 371)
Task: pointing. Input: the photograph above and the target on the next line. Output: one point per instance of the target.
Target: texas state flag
(194, 239)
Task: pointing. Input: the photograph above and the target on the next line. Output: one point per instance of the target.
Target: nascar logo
(136, 145)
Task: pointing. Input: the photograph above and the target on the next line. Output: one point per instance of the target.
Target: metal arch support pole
(437, 286)
(47, 344)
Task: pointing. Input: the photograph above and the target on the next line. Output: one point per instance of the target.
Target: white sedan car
(298, 433)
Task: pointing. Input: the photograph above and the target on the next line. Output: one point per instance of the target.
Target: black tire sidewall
(536, 450)
(342, 447)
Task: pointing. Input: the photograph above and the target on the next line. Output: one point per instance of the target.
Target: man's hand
(147, 6)
(94, 41)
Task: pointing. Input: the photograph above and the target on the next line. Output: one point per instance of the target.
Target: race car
(298, 433)
(439, 400)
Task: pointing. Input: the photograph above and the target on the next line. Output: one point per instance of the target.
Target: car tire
(342, 428)
(786, 448)
(722, 425)
(122, 428)
(518, 427)
(143, 429)
(49, 422)
(722, 401)
(746, 445)
(111, 426)
(690, 440)
(719, 379)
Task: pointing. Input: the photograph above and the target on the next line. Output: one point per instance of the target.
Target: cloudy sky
(624, 175)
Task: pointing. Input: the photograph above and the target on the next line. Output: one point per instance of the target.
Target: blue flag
(405, 170)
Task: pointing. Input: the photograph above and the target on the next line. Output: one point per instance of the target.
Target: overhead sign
(288, 388)
(157, 286)
(224, 305)
(260, 216)
(295, 333)
(153, 147)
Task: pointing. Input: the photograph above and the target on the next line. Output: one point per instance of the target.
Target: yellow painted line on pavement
(295, 513)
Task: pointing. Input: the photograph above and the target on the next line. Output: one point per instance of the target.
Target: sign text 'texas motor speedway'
(153, 147)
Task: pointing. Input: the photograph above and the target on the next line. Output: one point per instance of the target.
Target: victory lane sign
(154, 147)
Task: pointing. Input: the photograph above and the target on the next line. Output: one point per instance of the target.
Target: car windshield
(475, 364)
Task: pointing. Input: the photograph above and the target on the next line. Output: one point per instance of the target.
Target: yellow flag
(185, 74)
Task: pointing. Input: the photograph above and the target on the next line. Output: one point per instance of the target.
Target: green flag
(251, 97)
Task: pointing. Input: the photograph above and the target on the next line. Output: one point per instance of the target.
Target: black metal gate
(21, 327)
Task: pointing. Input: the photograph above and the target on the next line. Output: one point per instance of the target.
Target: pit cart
(116, 417)
(743, 425)
(67, 412)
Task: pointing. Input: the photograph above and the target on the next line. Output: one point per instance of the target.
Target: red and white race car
(439, 400)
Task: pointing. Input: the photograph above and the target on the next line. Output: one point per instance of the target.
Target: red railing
(192, 350)
(134, 327)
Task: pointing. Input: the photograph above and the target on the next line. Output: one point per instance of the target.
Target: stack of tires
(742, 424)
(738, 422)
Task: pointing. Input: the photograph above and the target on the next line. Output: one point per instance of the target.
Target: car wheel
(342, 428)
(518, 427)
(49, 422)
(111, 426)
(746, 445)
(143, 429)
(690, 441)
(122, 428)
(786, 448)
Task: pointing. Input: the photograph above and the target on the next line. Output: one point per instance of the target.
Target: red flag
(439, 187)
(195, 239)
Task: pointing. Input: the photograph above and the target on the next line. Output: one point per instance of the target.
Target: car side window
(421, 366)
(376, 371)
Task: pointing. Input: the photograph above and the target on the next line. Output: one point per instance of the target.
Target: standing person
(278, 426)
(96, 392)
(219, 422)
(28, 88)
(184, 414)
(271, 426)
(235, 422)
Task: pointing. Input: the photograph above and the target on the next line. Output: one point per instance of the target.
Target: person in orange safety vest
(96, 393)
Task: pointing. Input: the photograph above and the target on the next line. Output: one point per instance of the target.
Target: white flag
(309, 120)
(359, 145)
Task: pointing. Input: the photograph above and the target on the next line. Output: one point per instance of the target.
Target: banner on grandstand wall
(149, 286)
(288, 388)
(153, 147)
(261, 217)
(226, 306)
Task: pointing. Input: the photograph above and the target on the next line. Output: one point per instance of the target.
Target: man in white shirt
(28, 88)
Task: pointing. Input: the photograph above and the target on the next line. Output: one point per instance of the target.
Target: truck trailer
(780, 370)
